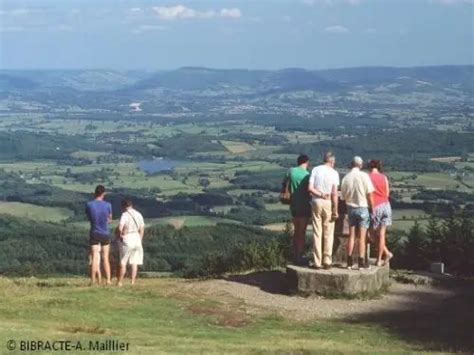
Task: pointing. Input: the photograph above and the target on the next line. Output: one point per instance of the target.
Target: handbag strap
(134, 220)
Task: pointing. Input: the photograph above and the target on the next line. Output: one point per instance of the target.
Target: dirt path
(262, 292)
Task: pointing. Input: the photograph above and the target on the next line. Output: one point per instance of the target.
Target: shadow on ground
(437, 318)
(268, 281)
(437, 323)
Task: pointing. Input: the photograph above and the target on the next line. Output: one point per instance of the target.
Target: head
(99, 192)
(329, 158)
(357, 162)
(375, 164)
(126, 204)
(303, 159)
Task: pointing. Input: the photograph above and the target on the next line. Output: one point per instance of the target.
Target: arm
(313, 190)
(142, 231)
(370, 193)
(388, 187)
(335, 202)
(109, 217)
(370, 198)
(121, 226)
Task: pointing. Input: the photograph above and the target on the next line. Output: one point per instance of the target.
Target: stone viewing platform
(337, 281)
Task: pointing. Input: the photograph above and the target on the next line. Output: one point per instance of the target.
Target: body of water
(152, 166)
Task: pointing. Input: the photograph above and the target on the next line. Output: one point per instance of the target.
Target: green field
(159, 316)
(37, 213)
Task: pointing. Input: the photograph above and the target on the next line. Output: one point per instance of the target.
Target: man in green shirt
(298, 178)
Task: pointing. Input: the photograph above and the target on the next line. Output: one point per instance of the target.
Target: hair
(99, 190)
(375, 164)
(357, 162)
(303, 158)
(328, 156)
(126, 203)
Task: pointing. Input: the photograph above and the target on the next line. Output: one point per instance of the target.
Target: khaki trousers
(323, 232)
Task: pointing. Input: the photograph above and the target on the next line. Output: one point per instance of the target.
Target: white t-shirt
(323, 178)
(355, 187)
(130, 222)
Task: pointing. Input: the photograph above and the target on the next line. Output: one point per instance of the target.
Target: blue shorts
(382, 215)
(358, 216)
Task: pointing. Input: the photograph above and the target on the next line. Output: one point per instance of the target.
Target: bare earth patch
(265, 296)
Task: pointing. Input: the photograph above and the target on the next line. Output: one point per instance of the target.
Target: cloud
(181, 12)
(338, 29)
(231, 13)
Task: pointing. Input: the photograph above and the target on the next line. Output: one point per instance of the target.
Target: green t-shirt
(299, 179)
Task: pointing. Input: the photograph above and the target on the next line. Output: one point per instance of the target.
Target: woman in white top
(131, 230)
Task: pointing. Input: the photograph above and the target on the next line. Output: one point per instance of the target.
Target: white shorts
(131, 250)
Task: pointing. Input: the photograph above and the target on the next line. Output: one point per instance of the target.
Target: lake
(151, 166)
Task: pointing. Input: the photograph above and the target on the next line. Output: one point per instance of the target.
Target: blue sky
(265, 34)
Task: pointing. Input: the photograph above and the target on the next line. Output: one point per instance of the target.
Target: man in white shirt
(131, 230)
(323, 185)
(356, 190)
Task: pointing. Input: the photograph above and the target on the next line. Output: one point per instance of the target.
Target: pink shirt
(380, 183)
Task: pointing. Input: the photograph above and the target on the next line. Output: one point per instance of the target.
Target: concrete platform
(338, 281)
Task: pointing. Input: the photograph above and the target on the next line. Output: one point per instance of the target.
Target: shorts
(131, 250)
(358, 217)
(302, 210)
(382, 215)
(99, 239)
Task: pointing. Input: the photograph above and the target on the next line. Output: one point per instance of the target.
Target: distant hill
(239, 81)
(446, 75)
(81, 80)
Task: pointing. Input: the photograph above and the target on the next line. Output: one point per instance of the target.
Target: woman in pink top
(381, 210)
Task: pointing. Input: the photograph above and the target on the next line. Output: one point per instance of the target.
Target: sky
(253, 34)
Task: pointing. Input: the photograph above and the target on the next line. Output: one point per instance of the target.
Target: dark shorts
(99, 239)
(300, 210)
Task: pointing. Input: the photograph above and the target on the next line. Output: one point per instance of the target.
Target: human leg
(328, 233)
(106, 262)
(95, 263)
(317, 233)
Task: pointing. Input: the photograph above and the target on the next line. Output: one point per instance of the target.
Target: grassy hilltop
(178, 316)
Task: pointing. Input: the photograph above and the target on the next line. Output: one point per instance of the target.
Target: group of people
(122, 250)
(315, 196)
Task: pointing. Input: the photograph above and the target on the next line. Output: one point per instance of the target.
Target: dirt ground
(266, 292)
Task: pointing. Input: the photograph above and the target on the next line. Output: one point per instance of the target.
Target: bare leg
(122, 270)
(95, 263)
(350, 242)
(106, 262)
(381, 248)
(134, 273)
(362, 235)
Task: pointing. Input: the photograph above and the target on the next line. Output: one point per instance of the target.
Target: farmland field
(39, 213)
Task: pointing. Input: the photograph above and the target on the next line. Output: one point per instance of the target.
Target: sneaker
(362, 264)
(349, 262)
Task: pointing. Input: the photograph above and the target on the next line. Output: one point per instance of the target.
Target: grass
(437, 181)
(157, 317)
(237, 147)
(38, 213)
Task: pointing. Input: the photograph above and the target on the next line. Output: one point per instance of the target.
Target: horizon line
(235, 68)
